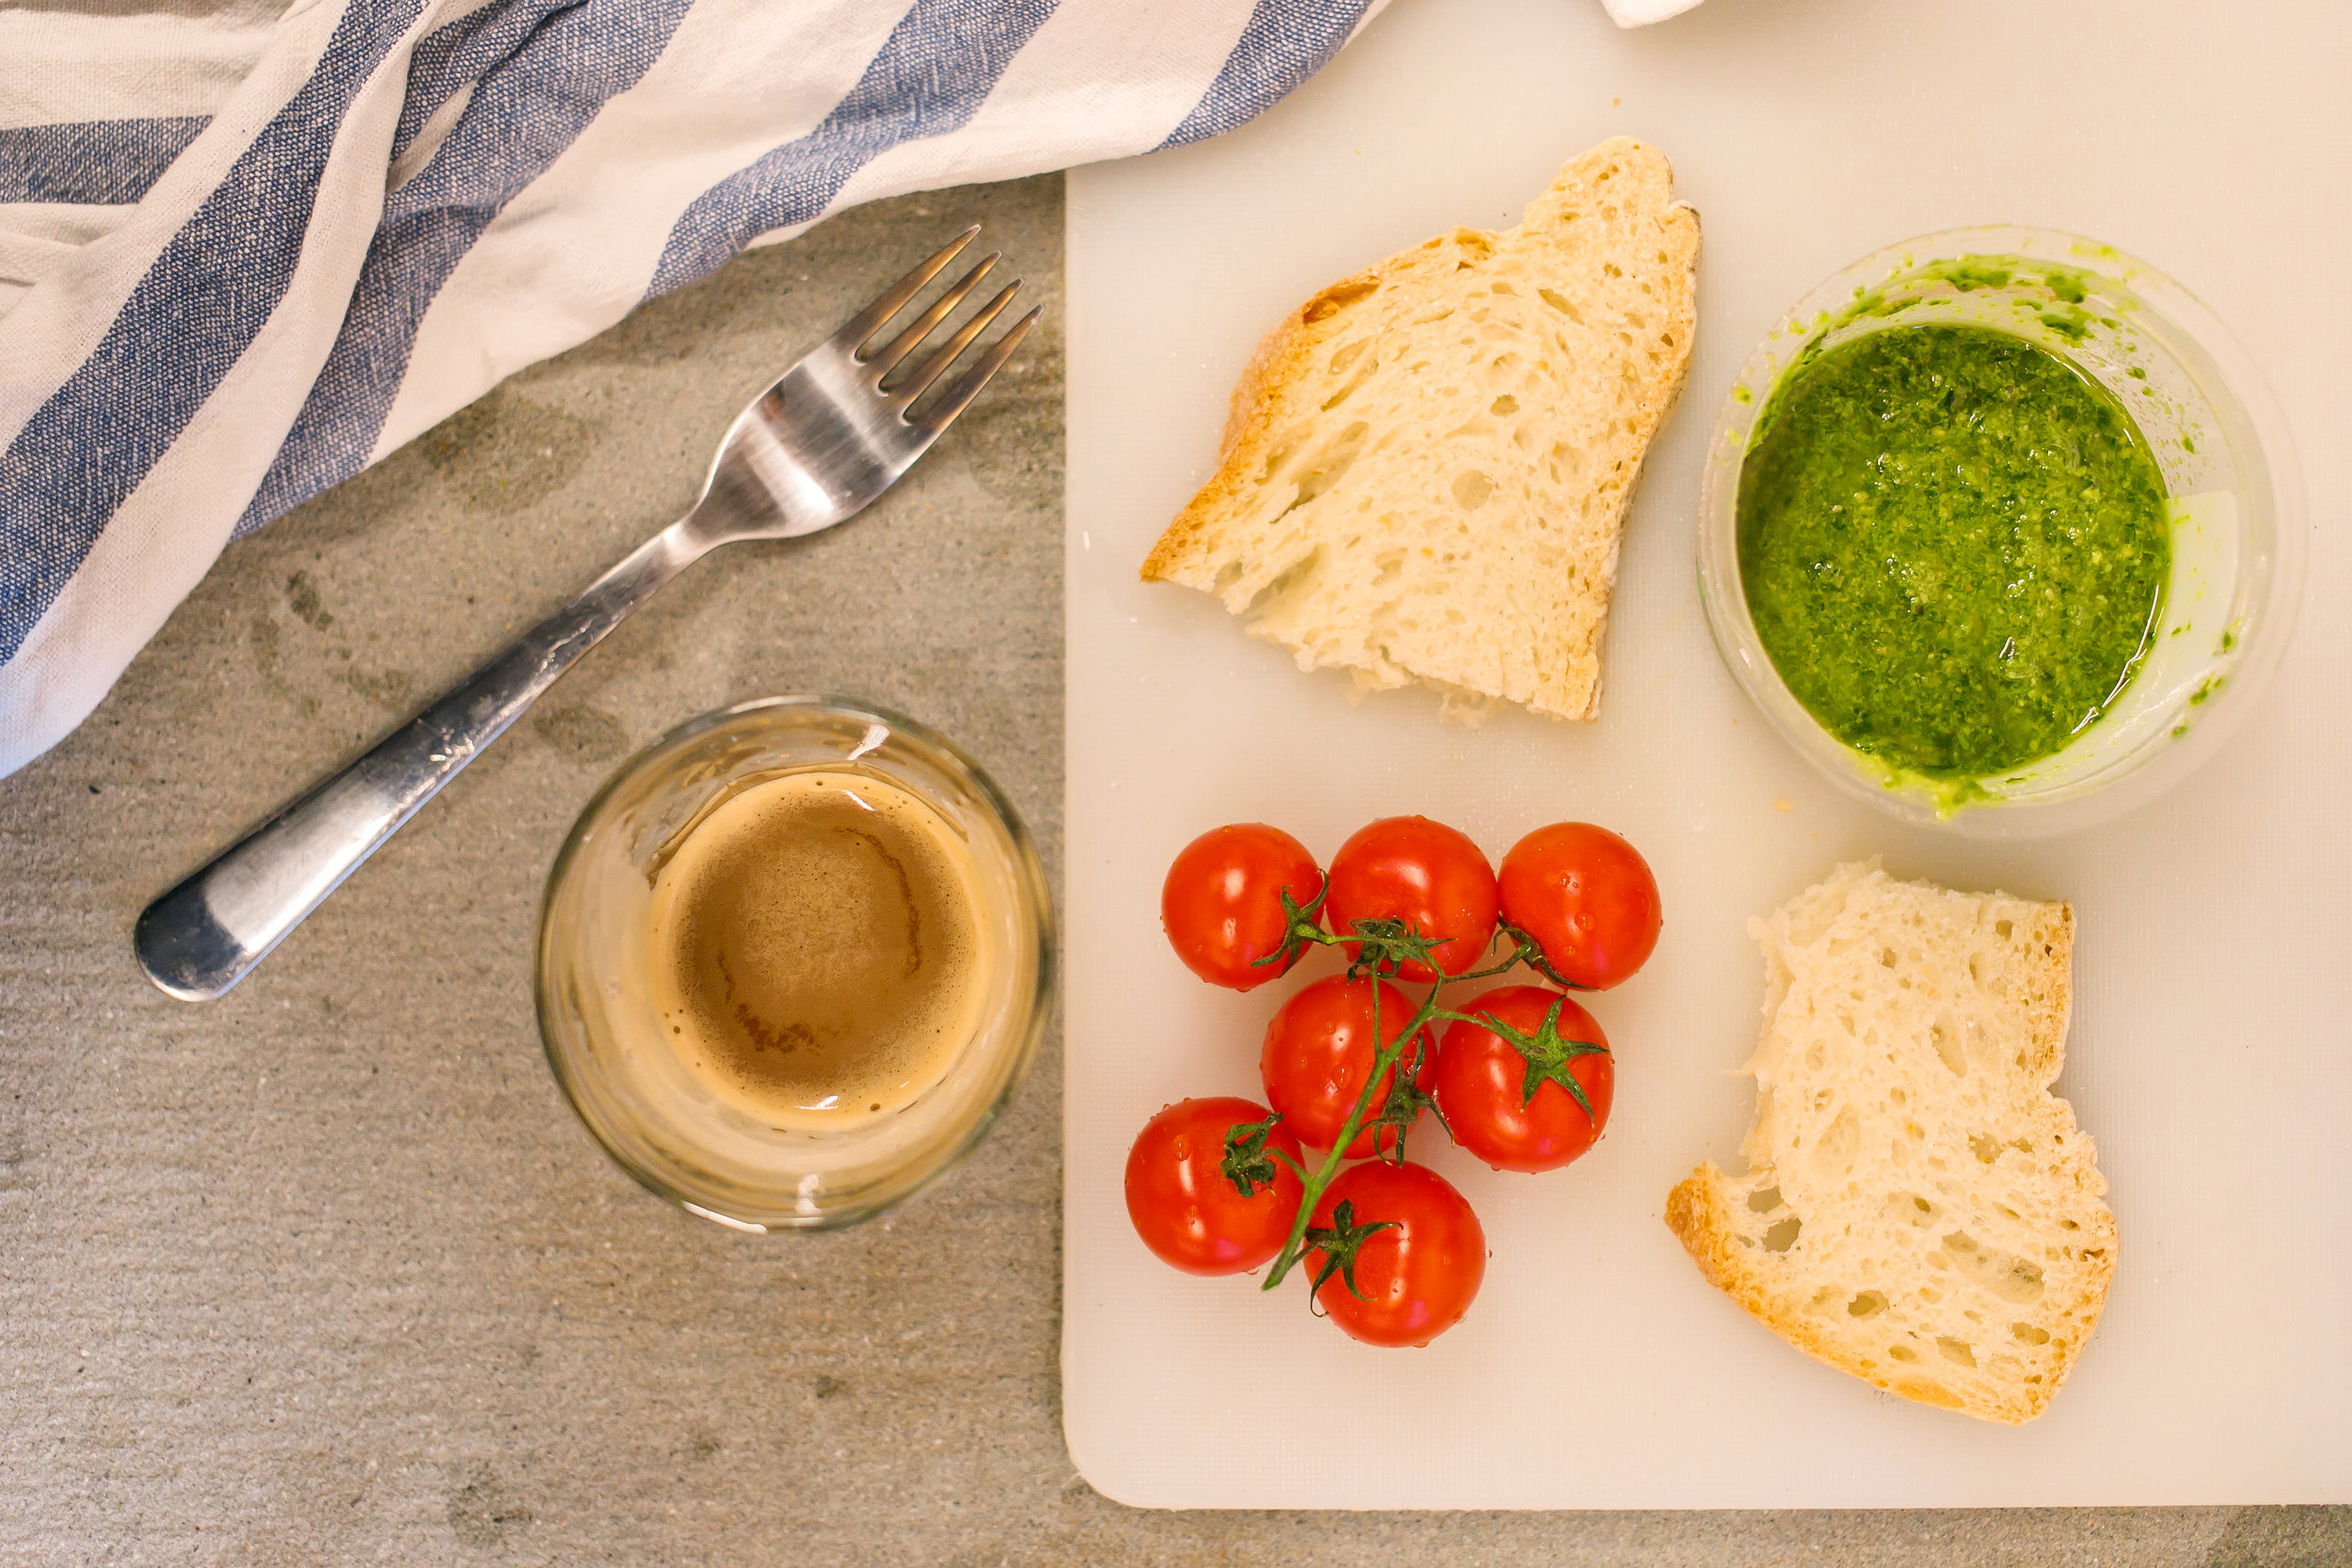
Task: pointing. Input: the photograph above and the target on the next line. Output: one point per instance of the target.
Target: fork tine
(906, 343)
(935, 365)
(957, 397)
(893, 299)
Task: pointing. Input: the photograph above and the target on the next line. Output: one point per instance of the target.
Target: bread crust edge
(1700, 1217)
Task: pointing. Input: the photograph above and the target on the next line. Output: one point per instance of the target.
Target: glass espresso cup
(609, 1008)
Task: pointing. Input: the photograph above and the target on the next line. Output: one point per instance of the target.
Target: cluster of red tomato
(1522, 1076)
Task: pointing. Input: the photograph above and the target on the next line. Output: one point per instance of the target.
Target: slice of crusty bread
(1426, 463)
(1920, 1210)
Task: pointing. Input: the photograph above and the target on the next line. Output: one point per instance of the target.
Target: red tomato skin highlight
(1588, 896)
(1221, 905)
(1418, 1279)
(1319, 1051)
(1183, 1207)
(1479, 1076)
(1422, 872)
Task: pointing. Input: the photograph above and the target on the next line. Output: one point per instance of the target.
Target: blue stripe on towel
(1284, 42)
(458, 55)
(190, 317)
(100, 163)
(523, 117)
(934, 70)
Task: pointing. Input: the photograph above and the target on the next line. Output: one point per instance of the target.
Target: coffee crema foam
(816, 953)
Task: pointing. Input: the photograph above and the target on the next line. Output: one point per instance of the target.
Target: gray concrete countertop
(327, 1272)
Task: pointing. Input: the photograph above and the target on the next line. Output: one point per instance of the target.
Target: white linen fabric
(249, 247)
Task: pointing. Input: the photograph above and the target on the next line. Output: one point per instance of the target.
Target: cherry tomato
(1484, 1080)
(1318, 1055)
(1584, 893)
(1222, 903)
(1413, 1279)
(1421, 872)
(1185, 1205)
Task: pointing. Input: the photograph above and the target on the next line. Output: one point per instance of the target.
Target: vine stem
(1384, 967)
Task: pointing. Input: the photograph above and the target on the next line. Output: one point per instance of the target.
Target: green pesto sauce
(1954, 545)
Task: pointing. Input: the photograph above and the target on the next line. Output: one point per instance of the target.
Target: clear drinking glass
(597, 1015)
(2215, 433)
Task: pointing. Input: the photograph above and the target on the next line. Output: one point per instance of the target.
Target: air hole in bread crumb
(1985, 1147)
(1783, 1236)
(1290, 578)
(1903, 1353)
(1471, 488)
(2022, 1284)
(2029, 1334)
(1956, 1350)
(1507, 404)
(1815, 1056)
(1909, 1207)
(1947, 1050)
(1838, 1145)
(1332, 463)
(1869, 1304)
(1337, 298)
(1283, 448)
(2002, 928)
(1764, 1200)
(1886, 957)
(1561, 304)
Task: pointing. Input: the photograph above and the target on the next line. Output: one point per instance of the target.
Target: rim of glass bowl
(2270, 582)
(1030, 874)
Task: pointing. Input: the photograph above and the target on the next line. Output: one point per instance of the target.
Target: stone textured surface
(326, 1271)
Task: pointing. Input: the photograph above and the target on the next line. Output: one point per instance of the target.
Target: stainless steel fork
(813, 449)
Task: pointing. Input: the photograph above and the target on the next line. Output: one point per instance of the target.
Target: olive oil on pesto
(1954, 545)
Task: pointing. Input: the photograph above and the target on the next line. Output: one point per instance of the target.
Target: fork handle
(204, 935)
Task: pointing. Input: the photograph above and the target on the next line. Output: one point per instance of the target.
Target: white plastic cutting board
(2212, 1050)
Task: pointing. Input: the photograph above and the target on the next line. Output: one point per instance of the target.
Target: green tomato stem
(1385, 967)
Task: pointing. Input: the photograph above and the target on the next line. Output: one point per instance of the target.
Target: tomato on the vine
(1185, 1180)
(1586, 896)
(1404, 1261)
(1528, 1089)
(1222, 903)
(1318, 1056)
(1424, 874)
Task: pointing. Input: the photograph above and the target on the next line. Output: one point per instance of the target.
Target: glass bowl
(2220, 440)
(661, 1122)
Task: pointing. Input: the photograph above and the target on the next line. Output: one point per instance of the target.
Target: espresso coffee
(817, 951)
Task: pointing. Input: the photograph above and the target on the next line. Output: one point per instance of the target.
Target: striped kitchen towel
(249, 247)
